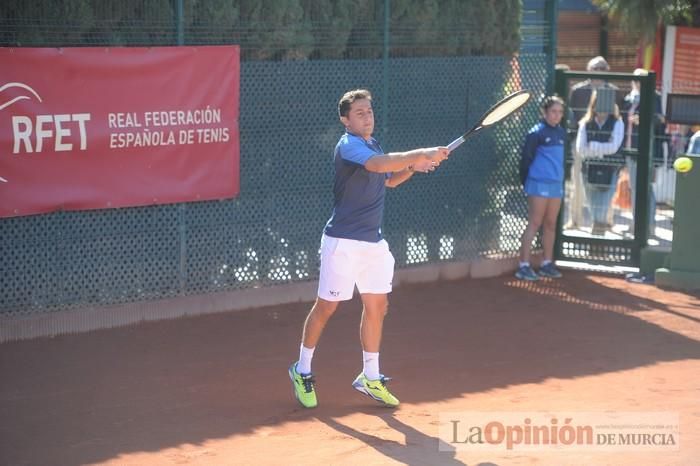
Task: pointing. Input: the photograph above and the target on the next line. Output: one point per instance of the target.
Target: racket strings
(504, 109)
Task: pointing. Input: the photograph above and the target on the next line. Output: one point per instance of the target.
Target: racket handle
(456, 143)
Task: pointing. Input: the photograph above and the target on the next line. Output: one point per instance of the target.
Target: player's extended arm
(404, 175)
(399, 177)
(399, 161)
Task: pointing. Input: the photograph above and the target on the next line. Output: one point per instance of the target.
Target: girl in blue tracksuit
(542, 173)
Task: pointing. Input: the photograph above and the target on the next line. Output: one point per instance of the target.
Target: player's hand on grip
(437, 154)
(432, 158)
(424, 166)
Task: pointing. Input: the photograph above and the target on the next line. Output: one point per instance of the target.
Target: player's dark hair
(551, 100)
(350, 97)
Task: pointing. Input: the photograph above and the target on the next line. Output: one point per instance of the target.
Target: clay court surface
(214, 390)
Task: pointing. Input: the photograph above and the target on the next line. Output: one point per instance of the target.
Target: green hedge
(273, 29)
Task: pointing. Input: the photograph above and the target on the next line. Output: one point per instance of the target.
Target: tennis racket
(493, 115)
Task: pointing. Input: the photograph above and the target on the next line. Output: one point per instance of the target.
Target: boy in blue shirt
(353, 252)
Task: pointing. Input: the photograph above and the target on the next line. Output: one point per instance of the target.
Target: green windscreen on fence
(471, 206)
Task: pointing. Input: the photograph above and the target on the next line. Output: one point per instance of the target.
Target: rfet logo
(64, 131)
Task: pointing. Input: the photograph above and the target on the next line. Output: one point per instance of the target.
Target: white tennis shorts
(348, 262)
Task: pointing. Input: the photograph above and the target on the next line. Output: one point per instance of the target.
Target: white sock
(545, 262)
(370, 365)
(305, 356)
(524, 264)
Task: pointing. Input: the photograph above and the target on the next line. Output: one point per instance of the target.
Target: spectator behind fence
(579, 99)
(599, 136)
(630, 116)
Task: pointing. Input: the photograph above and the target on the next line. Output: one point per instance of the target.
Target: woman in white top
(600, 134)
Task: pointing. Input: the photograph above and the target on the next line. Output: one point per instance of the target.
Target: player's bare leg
(375, 307)
(319, 315)
(371, 382)
(300, 371)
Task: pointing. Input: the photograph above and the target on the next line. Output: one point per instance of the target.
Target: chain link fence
(471, 207)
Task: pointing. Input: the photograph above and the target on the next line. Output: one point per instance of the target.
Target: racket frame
(479, 126)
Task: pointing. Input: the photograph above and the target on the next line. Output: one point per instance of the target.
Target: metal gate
(583, 234)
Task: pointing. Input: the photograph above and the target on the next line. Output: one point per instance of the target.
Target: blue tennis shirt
(358, 193)
(544, 145)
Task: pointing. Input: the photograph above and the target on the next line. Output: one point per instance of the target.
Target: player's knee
(382, 309)
(324, 308)
(378, 309)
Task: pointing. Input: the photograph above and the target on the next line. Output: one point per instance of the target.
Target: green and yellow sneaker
(376, 389)
(303, 386)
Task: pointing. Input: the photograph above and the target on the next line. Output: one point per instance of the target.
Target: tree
(276, 29)
(642, 17)
(331, 24)
(211, 21)
(414, 25)
(75, 16)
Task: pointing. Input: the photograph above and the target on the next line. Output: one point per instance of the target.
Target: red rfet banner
(93, 128)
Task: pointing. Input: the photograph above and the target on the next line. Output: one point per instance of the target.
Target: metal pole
(552, 15)
(182, 234)
(385, 70)
(647, 104)
(603, 45)
(180, 21)
(182, 208)
(560, 87)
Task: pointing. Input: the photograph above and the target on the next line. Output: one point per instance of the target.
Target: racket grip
(456, 143)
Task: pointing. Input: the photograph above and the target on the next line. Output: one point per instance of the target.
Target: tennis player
(353, 252)
(542, 172)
